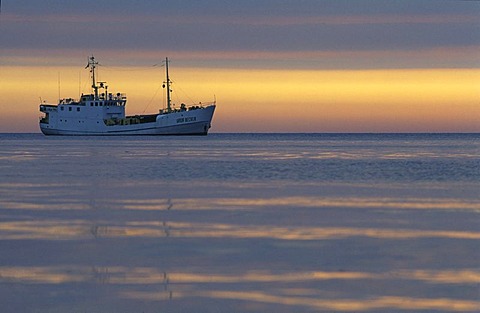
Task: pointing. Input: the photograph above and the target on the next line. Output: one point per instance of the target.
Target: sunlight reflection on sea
(240, 223)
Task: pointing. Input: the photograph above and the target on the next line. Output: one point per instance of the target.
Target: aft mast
(169, 101)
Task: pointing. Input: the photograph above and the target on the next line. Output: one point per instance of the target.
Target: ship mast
(169, 101)
(92, 64)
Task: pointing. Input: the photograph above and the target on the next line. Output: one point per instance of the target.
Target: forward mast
(92, 64)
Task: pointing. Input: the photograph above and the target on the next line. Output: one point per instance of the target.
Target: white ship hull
(194, 122)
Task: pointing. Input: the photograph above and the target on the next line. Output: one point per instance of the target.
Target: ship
(102, 113)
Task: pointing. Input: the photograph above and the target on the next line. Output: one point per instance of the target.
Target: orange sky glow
(256, 100)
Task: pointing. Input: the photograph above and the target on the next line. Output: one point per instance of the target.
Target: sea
(240, 223)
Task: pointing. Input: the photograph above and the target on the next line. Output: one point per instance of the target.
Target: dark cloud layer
(245, 7)
(266, 25)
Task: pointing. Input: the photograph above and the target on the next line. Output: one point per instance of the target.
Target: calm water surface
(240, 223)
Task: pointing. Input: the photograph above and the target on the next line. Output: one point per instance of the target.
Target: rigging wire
(151, 100)
(109, 68)
(184, 94)
(134, 69)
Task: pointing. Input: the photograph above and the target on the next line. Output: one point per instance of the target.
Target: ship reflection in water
(95, 238)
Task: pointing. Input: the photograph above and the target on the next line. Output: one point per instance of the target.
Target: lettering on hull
(186, 119)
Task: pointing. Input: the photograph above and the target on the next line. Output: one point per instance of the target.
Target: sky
(272, 66)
